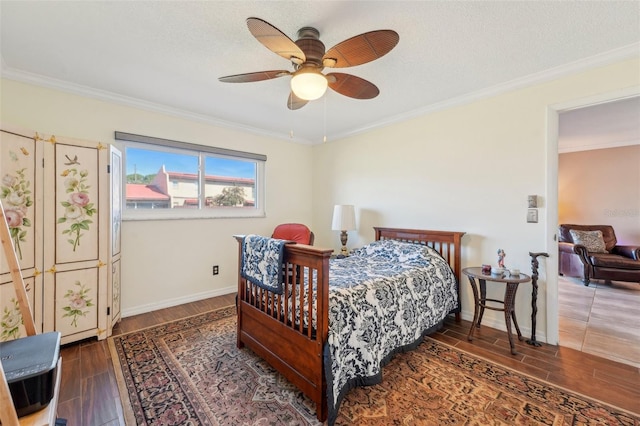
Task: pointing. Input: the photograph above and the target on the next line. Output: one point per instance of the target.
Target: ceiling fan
(309, 58)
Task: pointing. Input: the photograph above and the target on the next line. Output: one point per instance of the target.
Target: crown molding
(600, 60)
(106, 96)
(603, 59)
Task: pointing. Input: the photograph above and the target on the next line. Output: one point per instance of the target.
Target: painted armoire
(62, 199)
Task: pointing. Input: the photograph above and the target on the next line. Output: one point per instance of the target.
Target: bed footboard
(289, 330)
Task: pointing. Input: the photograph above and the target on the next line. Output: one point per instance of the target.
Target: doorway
(596, 319)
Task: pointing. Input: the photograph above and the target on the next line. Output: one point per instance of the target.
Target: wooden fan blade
(295, 102)
(361, 49)
(275, 40)
(352, 86)
(254, 76)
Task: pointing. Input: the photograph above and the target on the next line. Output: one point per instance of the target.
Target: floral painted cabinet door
(76, 253)
(20, 194)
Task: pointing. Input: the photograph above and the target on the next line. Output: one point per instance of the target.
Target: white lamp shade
(344, 218)
(309, 84)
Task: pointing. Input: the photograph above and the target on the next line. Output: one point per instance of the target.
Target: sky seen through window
(147, 162)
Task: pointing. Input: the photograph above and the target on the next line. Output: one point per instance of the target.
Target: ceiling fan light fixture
(309, 84)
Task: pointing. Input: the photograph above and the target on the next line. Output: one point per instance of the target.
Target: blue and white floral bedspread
(262, 262)
(382, 298)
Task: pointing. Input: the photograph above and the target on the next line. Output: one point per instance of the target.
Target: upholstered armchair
(591, 252)
(297, 232)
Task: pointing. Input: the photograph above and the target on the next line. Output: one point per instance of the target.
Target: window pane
(230, 183)
(161, 179)
(178, 180)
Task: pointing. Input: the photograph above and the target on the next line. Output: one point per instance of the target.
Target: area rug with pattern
(190, 372)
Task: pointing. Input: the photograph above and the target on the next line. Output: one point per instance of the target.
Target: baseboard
(143, 309)
(498, 324)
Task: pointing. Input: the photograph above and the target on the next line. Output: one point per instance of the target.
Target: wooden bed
(294, 348)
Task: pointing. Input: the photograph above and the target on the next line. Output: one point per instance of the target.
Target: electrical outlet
(216, 270)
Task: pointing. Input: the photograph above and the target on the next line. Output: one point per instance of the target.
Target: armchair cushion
(592, 240)
(605, 260)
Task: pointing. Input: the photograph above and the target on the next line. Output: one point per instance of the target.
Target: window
(172, 180)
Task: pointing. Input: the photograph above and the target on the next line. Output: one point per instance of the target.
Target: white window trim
(146, 142)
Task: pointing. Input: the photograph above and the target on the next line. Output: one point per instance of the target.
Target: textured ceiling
(168, 55)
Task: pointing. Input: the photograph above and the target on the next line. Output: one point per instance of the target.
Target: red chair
(294, 232)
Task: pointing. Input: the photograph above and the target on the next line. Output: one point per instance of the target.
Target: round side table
(481, 301)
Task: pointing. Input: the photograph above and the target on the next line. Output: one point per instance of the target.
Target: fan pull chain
(290, 105)
(324, 138)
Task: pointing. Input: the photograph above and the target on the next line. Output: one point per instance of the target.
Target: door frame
(553, 121)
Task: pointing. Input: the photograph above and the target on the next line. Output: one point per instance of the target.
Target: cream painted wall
(602, 186)
(468, 168)
(169, 262)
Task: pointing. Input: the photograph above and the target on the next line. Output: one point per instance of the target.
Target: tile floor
(602, 319)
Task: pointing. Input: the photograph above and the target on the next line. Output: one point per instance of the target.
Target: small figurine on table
(501, 256)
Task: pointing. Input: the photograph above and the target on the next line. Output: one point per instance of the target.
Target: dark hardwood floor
(89, 394)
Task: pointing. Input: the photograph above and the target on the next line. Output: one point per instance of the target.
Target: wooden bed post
(457, 268)
(240, 293)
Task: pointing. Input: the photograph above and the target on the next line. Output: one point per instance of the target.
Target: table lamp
(344, 219)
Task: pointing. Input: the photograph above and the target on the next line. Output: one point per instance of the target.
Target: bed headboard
(444, 242)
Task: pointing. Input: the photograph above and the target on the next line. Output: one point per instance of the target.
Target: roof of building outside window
(138, 191)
